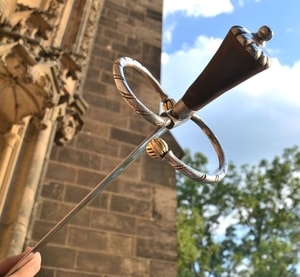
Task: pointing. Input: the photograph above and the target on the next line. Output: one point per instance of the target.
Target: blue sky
(258, 118)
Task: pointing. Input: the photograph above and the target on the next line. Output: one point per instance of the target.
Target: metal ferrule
(254, 42)
(180, 111)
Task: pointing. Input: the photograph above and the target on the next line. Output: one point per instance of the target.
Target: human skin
(29, 269)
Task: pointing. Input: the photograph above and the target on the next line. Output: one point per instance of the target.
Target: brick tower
(129, 229)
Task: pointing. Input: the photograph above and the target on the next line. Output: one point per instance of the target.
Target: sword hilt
(240, 56)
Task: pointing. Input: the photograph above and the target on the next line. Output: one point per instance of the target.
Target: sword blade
(90, 196)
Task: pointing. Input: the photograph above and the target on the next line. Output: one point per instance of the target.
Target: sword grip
(240, 56)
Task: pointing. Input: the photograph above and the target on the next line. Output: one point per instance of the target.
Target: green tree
(246, 225)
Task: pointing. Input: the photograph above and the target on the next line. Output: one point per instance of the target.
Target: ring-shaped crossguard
(129, 96)
(157, 120)
(190, 172)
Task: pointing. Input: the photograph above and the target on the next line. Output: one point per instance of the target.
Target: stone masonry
(129, 229)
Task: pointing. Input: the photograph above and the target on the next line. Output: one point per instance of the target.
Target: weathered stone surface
(129, 229)
(64, 257)
(87, 238)
(113, 222)
(131, 206)
(61, 172)
(162, 269)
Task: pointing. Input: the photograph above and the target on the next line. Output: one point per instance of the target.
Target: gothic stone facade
(129, 229)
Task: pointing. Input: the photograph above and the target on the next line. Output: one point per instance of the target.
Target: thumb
(31, 268)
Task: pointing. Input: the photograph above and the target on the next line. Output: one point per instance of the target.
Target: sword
(240, 56)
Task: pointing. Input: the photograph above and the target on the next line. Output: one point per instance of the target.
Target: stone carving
(32, 66)
(21, 95)
(72, 121)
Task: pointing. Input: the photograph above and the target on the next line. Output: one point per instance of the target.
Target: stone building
(64, 127)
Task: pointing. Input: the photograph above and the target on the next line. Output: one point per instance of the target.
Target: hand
(29, 269)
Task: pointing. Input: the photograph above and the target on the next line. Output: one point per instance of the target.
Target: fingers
(31, 268)
(7, 263)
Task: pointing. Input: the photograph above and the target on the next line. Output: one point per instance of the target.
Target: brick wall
(129, 229)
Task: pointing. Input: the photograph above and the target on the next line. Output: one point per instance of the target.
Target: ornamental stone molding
(44, 50)
(43, 60)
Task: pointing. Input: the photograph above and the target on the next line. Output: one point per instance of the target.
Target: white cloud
(224, 222)
(242, 3)
(205, 8)
(184, 65)
(168, 32)
(280, 83)
(255, 120)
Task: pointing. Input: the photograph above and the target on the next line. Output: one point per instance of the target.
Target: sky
(259, 118)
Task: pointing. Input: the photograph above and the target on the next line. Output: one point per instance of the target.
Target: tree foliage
(246, 225)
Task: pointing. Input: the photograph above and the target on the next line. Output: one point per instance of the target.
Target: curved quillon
(158, 148)
(129, 96)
